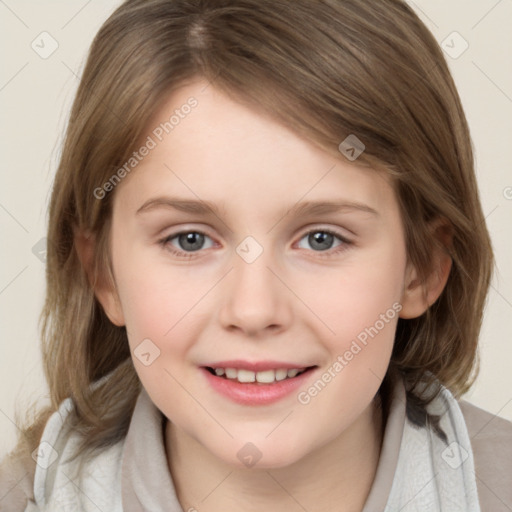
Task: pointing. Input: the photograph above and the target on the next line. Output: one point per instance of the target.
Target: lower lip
(254, 393)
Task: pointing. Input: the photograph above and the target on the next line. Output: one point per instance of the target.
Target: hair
(324, 69)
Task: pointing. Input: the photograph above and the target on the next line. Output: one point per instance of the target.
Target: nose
(255, 301)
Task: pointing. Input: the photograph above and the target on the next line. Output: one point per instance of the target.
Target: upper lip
(257, 366)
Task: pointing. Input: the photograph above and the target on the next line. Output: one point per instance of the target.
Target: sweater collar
(147, 482)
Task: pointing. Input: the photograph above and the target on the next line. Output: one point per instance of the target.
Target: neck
(337, 476)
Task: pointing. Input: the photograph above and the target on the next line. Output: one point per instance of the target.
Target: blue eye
(188, 243)
(322, 240)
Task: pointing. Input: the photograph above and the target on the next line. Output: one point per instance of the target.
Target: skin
(294, 303)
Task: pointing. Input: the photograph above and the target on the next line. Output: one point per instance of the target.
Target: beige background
(35, 96)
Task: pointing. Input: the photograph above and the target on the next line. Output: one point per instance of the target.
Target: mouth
(262, 377)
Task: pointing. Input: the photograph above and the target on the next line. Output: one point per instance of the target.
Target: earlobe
(419, 294)
(104, 291)
(110, 302)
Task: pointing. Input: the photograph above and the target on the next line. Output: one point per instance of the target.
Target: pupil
(321, 240)
(191, 241)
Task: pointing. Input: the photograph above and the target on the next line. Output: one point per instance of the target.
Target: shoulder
(64, 480)
(52, 478)
(16, 481)
(491, 442)
(20, 470)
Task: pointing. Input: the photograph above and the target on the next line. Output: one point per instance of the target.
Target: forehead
(226, 153)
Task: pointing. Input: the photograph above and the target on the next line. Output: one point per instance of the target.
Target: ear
(104, 290)
(419, 295)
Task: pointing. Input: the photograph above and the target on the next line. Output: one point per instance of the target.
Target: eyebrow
(299, 209)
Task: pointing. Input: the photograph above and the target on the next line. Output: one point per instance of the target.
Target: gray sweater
(138, 477)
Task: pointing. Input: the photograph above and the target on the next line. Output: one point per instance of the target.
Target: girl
(307, 349)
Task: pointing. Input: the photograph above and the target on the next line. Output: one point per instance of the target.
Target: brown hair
(325, 69)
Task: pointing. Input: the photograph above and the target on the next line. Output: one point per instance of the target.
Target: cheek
(359, 308)
(354, 297)
(361, 311)
(155, 298)
(157, 304)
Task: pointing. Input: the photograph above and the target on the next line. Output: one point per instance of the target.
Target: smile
(261, 385)
(262, 377)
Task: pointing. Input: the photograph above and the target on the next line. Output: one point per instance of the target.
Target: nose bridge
(255, 298)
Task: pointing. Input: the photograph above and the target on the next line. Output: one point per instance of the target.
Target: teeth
(264, 377)
(246, 376)
(231, 373)
(281, 374)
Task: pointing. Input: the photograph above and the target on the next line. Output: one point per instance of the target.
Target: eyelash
(165, 243)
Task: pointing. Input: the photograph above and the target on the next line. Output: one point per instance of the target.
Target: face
(236, 243)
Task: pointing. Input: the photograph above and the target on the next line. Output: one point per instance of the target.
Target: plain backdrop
(36, 91)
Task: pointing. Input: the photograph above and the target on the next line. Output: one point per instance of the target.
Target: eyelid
(186, 232)
(336, 231)
(172, 232)
(345, 244)
(312, 228)
(164, 241)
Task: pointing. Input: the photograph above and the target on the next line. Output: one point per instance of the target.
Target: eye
(186, 242)
(322, 240)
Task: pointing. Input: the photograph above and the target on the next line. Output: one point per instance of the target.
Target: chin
(260, 455)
